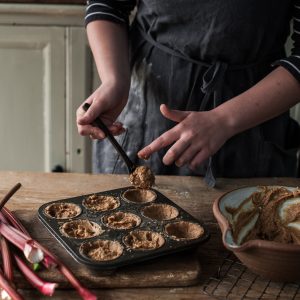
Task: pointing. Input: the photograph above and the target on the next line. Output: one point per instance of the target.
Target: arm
(275, 94)
(272, 96)
(107, 35)
(109, 45)
(198, 135)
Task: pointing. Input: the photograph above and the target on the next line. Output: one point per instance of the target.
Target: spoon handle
(98, 123)
(209, 177)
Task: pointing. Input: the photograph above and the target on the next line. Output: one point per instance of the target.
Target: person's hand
(106, 102)
(197, 136)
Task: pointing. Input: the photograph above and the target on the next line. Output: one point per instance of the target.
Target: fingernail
(143, 155)
(83, 120)
(80, 121)
(166, 162)
(178, 163)
(193, 167)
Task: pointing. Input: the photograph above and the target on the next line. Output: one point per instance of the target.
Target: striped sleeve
(111, 10)
(292, 63)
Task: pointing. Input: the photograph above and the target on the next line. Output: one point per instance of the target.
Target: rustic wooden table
(189, 192)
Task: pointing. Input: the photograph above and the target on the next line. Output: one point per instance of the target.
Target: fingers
(168, 137)
(175, 152)
(199, 159)
(187, 156)
(84, 120)
(89, 130)
(196, 137)
(106, 102)
(85, 128)
(116, 129)
(173, 115)
(95, 133)
(161, 142)
(86, 117)
(80, 112)
(182, 152)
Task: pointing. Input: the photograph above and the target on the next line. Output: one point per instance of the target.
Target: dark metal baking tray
(129, 256)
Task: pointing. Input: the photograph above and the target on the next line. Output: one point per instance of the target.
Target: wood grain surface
(189, 192)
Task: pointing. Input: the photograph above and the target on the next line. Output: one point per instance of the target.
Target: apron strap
(212, 81)
(213, 78)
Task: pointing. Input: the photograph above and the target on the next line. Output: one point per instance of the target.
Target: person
(197, 87)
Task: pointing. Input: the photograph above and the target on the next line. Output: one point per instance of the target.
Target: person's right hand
(106, 102)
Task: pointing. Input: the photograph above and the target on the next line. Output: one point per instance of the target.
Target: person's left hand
(196, 137)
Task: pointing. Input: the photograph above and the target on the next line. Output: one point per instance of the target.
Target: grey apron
(195, 55)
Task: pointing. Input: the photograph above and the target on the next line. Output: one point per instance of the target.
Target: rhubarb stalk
(33, 253)
(46, 288)
(9, 215)
(49, 259)
(8, 292)
(6, 259)
(9, 195)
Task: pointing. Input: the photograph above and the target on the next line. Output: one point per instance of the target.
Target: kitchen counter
(189, 192)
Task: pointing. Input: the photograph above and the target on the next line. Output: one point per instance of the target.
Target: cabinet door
(32, 98)
(78, 88)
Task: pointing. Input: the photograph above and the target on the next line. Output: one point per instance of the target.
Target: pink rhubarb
(49, 259)
(46, 288)
(33, 253)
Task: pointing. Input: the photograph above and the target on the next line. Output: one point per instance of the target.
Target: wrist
(116, 78)
(120, 84)
(226, 119)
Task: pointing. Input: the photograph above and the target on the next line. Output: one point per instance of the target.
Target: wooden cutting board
(182, 269)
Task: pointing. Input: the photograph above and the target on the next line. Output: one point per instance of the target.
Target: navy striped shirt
(111, 10)
(119, 10)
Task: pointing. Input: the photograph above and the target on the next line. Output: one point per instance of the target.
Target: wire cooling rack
(235, 282)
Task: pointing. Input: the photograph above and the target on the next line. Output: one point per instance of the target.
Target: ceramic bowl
(271, 260)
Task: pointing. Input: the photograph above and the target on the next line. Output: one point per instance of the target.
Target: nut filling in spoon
(140, 176)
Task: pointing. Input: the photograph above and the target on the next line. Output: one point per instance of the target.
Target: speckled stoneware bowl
(271, 260)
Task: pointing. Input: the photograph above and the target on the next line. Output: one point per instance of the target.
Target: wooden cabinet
(45, 73)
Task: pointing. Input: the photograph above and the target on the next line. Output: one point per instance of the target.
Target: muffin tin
(159, 229)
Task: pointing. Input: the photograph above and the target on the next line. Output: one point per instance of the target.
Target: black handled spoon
(98, 123)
